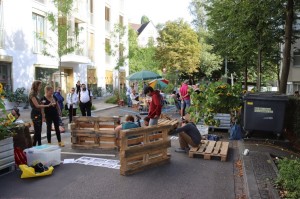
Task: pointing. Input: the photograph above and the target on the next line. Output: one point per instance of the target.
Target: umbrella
(160, 83)
(143, 75)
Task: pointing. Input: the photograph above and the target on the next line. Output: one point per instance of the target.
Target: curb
(248, 174)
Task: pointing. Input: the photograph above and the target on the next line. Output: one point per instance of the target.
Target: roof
(135, 26)
(142, 27)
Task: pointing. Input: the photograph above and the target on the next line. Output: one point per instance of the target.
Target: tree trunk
(258, 82)
(287, 46)
(246, 78)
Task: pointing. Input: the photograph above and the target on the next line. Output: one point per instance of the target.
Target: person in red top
(185, 97)
(155, 105)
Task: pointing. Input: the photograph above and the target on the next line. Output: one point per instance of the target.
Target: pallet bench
(142, 148)
(209, 149)
(167, 121)
(94, 132)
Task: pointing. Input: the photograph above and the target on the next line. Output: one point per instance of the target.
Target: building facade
(21, 44)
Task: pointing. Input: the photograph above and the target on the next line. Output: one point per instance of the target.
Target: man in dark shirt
(188, 135)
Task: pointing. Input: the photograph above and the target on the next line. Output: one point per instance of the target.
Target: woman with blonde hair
(37, 113)
(52, 113)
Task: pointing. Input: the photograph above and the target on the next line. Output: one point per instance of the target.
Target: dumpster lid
(266, 96)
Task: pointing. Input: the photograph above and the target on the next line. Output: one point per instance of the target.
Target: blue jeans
(153, 121)
(185, 104)
(129, 102)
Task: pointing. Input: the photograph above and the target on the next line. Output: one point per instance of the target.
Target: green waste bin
(264, 112)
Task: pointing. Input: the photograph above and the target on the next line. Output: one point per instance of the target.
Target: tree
(178, 47)
(287, 45)
(65, 40)
(243, 29)
(144, 19)
(141, 58)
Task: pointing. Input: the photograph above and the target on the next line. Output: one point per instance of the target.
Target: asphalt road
(183, 177)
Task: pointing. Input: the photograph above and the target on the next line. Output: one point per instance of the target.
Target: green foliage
(144, 19)
(289, 177)
(216, 97)
(292, 116)
(116, 97)
(6, 128)
(141, 58)
(178, 47)
(169, 89)
(17, 96)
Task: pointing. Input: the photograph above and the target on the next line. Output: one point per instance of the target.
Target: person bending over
(189, 135)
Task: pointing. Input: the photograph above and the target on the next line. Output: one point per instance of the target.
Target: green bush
(112, 100)
(289, 177)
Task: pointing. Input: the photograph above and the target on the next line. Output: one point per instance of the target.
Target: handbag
(66, 107)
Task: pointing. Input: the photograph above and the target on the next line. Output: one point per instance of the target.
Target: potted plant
(6, 133)
(216, 98)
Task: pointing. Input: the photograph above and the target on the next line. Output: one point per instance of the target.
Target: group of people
(189, 134)
(48, 108)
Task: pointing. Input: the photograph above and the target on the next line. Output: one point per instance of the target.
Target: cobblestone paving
(263, 172)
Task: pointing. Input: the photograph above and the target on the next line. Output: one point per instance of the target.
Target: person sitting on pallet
(188, 135)
(128, 124)
(146, 121)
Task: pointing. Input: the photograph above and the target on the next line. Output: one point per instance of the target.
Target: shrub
(289, 177)
(216, 97)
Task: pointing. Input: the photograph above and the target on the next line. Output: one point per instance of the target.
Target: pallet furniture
(209, 149)
(143, 147)
(7, 159)
(94, 132)
(168, 121)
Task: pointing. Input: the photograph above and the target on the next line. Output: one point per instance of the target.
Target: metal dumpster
(264, 112)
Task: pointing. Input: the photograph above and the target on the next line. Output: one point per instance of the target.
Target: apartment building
(21, 58)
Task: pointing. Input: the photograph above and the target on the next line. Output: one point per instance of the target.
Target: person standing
(85, 101)
(185, 98)
(37, 113)
(72, 100)
(60, 100)
(128, 92)
(78, 86)
(155, 105)
(52, 113)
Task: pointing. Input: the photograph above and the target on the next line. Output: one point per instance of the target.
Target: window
(38, 24)
(5, 73)
(107, 14)
(297, 58)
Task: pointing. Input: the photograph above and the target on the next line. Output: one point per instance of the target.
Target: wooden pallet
(209, 149)
(5, 169)
(166, 121)
(94, 132)
(144, 147)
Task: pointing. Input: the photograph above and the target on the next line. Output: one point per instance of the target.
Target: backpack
(89, 94)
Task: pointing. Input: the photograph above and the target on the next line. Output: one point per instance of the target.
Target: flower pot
(7, 159)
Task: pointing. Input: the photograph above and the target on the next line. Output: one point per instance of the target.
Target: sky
(158, 11)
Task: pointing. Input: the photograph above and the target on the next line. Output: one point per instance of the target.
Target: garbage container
(264, 112)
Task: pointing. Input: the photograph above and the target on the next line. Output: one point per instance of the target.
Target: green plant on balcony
(216, 97)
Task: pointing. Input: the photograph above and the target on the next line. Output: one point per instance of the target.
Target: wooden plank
(146, 148)
(141, 168)
(224, 148)
(217, 147)
(203, 146)
(210, 147)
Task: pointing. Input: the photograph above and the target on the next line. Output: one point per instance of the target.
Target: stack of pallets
(94, 132)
